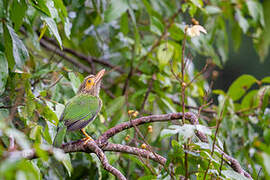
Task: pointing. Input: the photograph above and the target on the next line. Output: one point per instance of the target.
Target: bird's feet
(87, 137)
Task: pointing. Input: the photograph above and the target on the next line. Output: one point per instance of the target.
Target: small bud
(143, 146)
(130, 112)
(184, 84)
(257, 143)
(215, 74)
(127, 138)
(150, 129)
(194, 21)
(135, 114)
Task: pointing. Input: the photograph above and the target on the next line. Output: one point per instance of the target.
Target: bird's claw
(87, 139)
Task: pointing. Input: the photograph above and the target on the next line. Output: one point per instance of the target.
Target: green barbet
(81, 109)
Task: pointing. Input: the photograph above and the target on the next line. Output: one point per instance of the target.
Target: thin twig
(259, 173)
(89, 59)
(175, 75)
(211, 111)
(150, 85)
(198, 74)
(57, 51)
(124, 92)
(55, 82)
(214, 141)
(221, 164)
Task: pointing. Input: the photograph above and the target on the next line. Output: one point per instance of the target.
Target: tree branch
(135, 151)
(102, 144)
(57, 51)
(104, 161)
(146, 119)
(82, 56)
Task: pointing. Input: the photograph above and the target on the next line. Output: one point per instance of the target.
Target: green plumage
(81, 109)
(78, 113)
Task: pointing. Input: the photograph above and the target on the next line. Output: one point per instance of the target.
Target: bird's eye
(89, 81)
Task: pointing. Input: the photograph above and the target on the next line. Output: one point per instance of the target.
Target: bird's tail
(60, 135)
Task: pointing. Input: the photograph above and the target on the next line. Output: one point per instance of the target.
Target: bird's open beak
(99, 75)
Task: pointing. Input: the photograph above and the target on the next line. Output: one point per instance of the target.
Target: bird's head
(91, 84)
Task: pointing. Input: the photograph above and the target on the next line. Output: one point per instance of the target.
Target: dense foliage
(47, 47)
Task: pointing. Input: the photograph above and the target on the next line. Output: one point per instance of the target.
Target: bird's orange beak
(99, 75)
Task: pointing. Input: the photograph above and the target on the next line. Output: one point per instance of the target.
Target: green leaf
(35, 133)
(52, 9)
(236, 36)
(53, 28)
(17, 13)
(63, 158)
(262, 44)
(176, 32)
(67, 28)
(3, 9)
(98, 165)
(59, 5)
(136, 32)
(15, 50)
(156, 26)
(75, 81)
(243, 23)
(46, 134)
(212, 10)
(115, 10)
(266, 80)
(124, 24)
(3, 72)
(198, 3)
(233, 175)
(138, 162)
(115, 105)
(165, 53)
(249, 100)
(41, 6)
(266, 161)
(42, 31)
(254, 9)
(47, 113)
(240, 86)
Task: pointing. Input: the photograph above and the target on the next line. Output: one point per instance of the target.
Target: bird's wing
(80, 110)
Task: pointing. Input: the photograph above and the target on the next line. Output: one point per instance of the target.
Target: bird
(82, 109)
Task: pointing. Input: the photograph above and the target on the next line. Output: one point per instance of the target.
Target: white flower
(195, 30)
